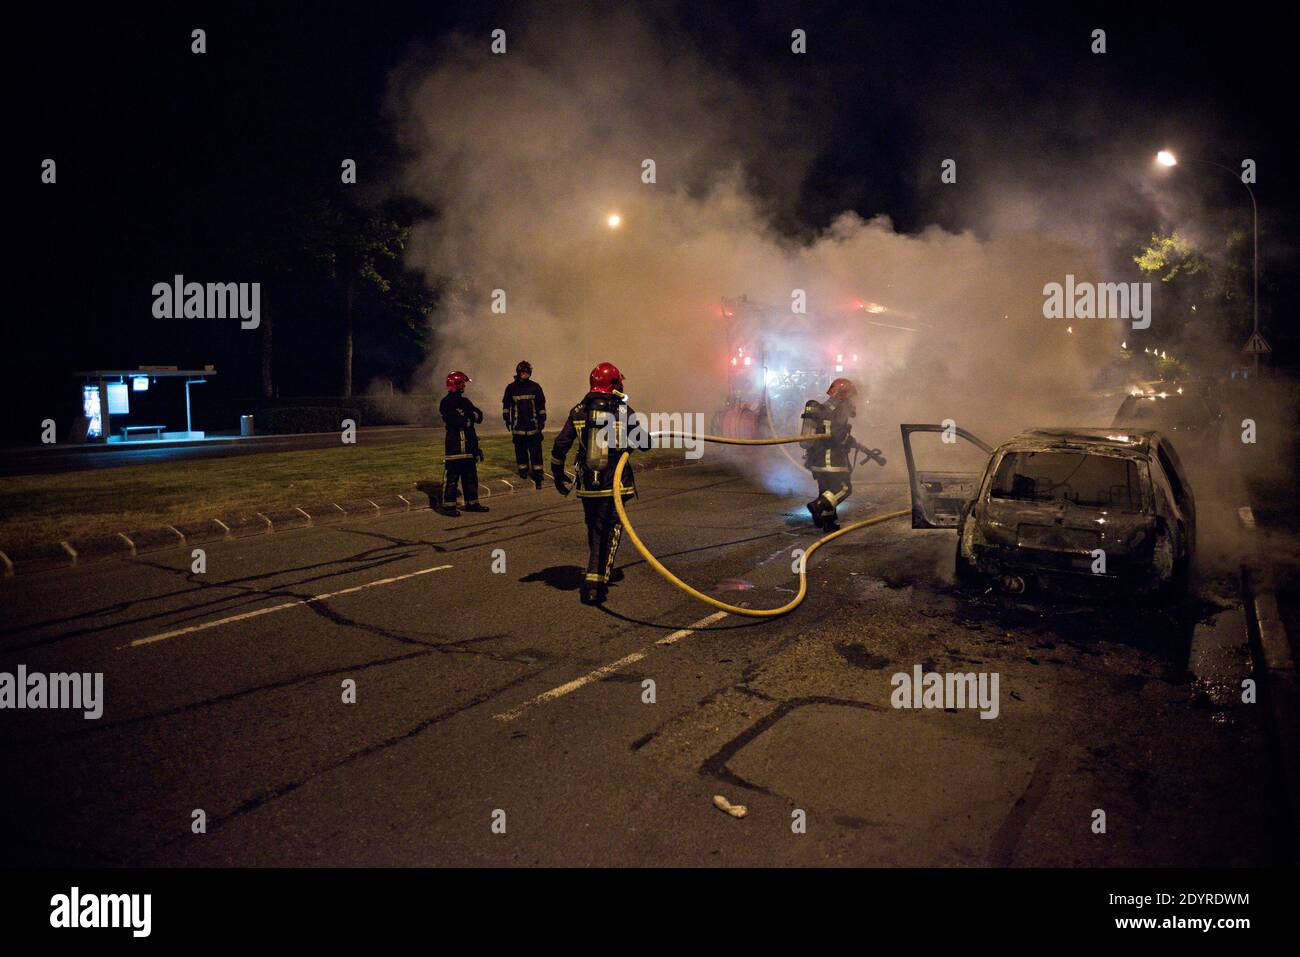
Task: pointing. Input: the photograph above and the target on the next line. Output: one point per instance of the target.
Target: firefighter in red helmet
(600, 429)
(827, 445)
(461, 449)
(523, 406)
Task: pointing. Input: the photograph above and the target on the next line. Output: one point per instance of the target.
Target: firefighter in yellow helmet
(828, 446)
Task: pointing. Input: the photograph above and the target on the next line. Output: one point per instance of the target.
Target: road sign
(1255, 344)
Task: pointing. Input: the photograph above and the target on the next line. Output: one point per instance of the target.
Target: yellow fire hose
(708, 599)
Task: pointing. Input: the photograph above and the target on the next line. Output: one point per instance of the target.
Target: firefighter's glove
(561, 481)
(479, 455)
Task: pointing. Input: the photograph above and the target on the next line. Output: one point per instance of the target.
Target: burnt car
(1063, 509)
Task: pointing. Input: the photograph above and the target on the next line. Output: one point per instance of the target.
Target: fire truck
(776, 360)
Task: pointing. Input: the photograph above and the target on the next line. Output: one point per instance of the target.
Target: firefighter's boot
(815, 510)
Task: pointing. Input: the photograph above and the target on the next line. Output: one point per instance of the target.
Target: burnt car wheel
(1179, 585)
(967, 575)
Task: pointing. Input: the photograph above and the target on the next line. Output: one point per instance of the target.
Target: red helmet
(842, 388)
(606, 378)
(456, 381)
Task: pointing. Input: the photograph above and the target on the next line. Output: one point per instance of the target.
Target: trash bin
(246, 425)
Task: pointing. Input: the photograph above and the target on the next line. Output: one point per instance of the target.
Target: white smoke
(526, 154)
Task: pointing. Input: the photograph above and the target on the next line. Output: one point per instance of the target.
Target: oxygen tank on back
(604, 435)
(814, 424)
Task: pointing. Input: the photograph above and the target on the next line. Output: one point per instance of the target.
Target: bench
(128, 429)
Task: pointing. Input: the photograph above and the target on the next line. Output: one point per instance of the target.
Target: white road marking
(677, 636)
(281, 607)
(604, 670)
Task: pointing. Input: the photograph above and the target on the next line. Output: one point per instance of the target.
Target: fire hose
(659, 567)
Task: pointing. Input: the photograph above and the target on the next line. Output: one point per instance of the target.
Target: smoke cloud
(525, 155)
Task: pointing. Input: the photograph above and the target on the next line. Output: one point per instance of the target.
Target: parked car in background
(1189, 412)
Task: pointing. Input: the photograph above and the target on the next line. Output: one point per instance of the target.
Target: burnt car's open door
(938, 497)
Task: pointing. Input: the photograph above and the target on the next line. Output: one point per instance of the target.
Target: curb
(77, 551)
(1274, 663)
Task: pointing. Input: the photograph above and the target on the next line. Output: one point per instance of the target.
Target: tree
(360, 251)
(1210, 284)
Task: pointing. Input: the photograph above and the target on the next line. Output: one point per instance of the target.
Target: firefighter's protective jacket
(459, 415)
(600, 429)
(524, 407)
(829, 452)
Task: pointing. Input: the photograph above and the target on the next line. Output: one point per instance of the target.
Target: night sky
(174, 163)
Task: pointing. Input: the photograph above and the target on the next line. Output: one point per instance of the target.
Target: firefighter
(524, 409)
(828, 448)
(462, 450)
(599, 428)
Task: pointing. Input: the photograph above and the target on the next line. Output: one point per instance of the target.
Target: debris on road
(735, 810)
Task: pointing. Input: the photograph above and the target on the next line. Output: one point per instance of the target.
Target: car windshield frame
(1141, 477)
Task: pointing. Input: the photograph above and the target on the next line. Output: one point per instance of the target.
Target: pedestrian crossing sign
(1255, 344)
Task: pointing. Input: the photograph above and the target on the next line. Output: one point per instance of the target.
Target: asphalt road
(482, 691)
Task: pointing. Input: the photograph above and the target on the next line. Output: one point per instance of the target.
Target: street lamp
(1166, 158)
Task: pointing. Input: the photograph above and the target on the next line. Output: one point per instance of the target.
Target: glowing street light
(614, 220)
(1166, 158)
